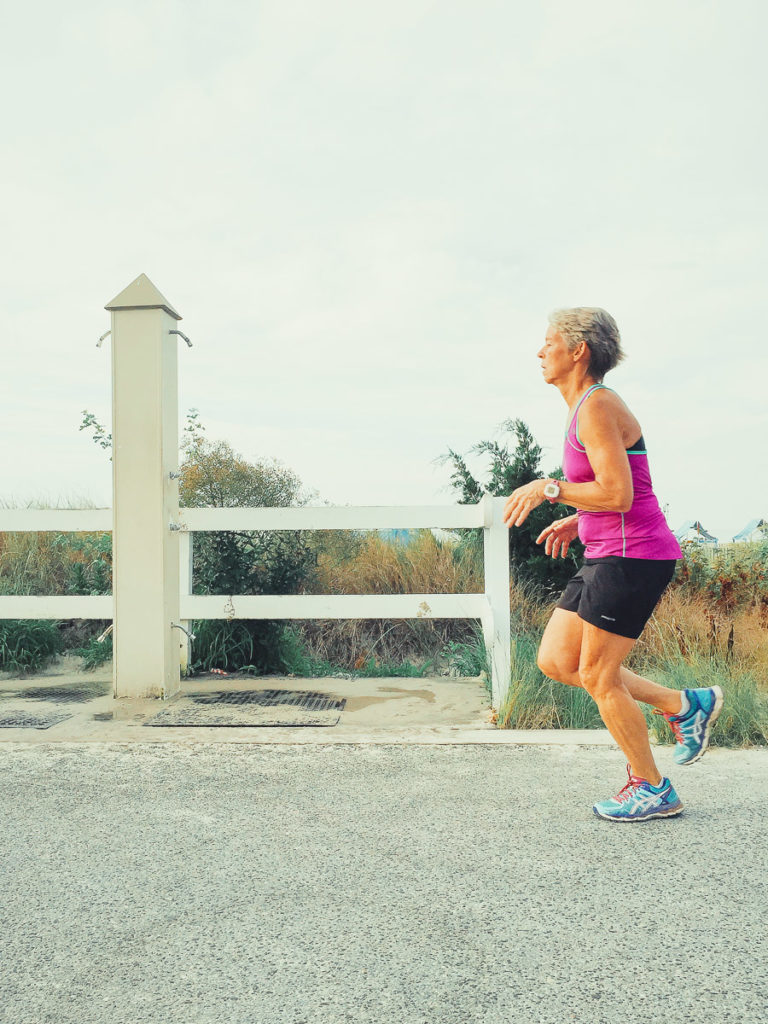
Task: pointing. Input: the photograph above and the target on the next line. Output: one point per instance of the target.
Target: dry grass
(40, 563)
(687, 626)
(424, 566)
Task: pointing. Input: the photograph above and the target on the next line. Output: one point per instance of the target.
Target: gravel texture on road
(220, 883)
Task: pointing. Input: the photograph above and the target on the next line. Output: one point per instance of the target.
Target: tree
(243, 561)
(509, 469)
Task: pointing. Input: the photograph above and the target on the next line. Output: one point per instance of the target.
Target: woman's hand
(559, 535)
(522, 502)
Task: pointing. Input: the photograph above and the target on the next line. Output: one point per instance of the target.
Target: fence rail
(61, 520)
(323, 517)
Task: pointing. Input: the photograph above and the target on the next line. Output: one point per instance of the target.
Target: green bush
(28, 645)
(468, 658)
(95, 652)
(237, 645)
(508, 470)
(241, 562)
(295, 658)
(729, 578)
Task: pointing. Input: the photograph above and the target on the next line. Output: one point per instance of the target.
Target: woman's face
(557, 360)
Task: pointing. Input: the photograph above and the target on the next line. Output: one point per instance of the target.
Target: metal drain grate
(252, 708)
(23, 719)
(309, 699)
(66, 694)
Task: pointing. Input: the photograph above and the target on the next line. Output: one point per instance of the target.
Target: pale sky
(364, 213)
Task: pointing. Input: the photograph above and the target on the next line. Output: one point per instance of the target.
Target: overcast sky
(365, 211)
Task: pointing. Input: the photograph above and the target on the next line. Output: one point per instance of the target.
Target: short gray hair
(597, 329)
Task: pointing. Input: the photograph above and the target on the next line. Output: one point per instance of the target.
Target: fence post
(186, 556)
(145, 495)
(496, 625)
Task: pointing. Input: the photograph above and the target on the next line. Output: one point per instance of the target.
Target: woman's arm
(600, 433)
(610, 491)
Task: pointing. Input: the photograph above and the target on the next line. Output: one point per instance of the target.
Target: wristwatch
(552, 490)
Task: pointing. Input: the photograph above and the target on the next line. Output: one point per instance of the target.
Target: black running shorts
(618, 594)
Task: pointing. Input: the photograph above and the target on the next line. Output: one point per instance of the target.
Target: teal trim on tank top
(576, 414)
(586, 394)
(629, 451)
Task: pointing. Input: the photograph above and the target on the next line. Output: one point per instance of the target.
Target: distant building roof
(397, 536)
(753, 527)
(692, 530)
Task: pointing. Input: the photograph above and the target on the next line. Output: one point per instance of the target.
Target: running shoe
(693, 724)
(639, 800)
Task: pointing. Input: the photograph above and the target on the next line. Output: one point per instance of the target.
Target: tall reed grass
(49, 563)
(374, 565)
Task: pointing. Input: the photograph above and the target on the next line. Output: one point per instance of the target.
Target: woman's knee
(598, 682)
(554, 668)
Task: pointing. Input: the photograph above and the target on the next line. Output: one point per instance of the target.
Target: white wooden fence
(492, 607)
(152, 534)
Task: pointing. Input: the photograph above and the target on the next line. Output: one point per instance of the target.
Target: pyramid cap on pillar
(142, 294)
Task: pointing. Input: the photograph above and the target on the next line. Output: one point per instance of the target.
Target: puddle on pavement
(397, 693)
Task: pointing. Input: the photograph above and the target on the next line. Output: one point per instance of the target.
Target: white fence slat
(334, 606)
(18, 606)
(318, 517)
(63, 520)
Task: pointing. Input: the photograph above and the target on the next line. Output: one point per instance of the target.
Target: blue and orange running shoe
(693, 724)
(639, 801)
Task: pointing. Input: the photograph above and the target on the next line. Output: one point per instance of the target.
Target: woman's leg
(560, 647)
(560, 652)
(599, 671)
(646, 692)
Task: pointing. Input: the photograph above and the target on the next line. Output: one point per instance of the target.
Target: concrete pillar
(145, 498)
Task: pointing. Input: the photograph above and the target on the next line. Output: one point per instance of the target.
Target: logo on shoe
(643, 801)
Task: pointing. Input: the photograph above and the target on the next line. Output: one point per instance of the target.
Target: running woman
(629, 560)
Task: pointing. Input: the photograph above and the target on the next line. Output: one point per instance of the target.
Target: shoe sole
(712, 719)
(646, 817)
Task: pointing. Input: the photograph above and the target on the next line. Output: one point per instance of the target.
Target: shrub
(469, 658)
(28, 645)
(241, 562)
(95, 652)
(508, 470)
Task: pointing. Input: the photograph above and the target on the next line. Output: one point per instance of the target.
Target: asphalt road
(228, 883)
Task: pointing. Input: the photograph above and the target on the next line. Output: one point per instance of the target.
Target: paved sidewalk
(219, 882)
(430, 709)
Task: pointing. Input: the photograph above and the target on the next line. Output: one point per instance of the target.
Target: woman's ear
(580, 351)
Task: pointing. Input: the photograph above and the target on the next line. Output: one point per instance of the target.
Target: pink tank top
(642, 532)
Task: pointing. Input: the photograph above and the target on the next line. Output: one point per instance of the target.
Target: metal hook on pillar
(175, 625)
(182, 335)
(106, 334)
